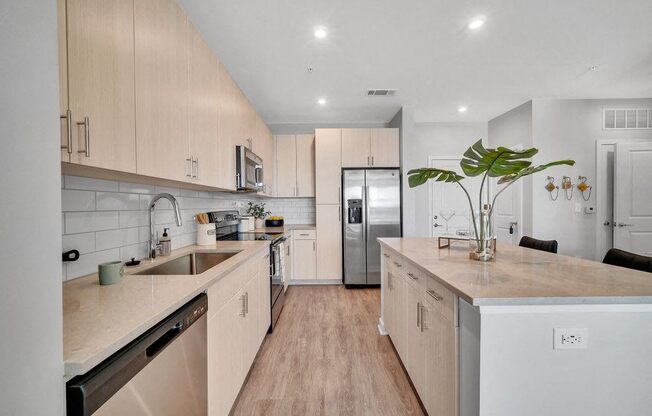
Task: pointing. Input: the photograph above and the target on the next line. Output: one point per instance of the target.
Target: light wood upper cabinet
(161, 41)
(66, 148)
(384, 147)
(305, 172)
(329, 242)
(204, 108)
(286, 165)
(355, 148)
(263, 146)
(228, 130)
(328, 165)
(100, 61)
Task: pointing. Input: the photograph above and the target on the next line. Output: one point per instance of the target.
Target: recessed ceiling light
(321, 101)
(593, 68)
(320, 33)
(462, 109)
(476, 23)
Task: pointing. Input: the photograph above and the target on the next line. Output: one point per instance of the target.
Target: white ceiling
(527, 49)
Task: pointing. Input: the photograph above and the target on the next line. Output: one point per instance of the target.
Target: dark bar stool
(542, 245)
(622, 258)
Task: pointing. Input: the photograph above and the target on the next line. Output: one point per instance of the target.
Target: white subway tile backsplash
(108, 220)
(74, 200)
(90, 184)
(79, 222)
(84, 242)
(113, 201)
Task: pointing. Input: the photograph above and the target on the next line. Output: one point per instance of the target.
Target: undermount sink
(190, 264)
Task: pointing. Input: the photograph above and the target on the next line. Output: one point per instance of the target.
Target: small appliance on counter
(274, 221)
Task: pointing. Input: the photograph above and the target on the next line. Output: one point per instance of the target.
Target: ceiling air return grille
(627, 118)
(380, 93)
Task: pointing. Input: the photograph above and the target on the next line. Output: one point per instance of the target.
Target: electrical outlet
(571, 338)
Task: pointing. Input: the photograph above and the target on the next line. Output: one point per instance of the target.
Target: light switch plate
(570, 338)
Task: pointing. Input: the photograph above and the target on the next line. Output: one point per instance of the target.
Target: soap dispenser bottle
(166, 243)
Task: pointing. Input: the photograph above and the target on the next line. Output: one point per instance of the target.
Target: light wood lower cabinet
(238, 319)
(329, 242)
(305, 255)
(422, 328)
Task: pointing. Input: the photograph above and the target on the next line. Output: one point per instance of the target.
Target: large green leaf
(496, 162)
(418, 177)
(513, 177)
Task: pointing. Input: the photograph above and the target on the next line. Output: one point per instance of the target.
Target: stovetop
(226, 228)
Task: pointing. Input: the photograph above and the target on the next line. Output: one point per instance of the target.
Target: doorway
(624, 203)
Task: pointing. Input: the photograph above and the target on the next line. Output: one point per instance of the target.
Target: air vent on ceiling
(627, 118)
(381, 93)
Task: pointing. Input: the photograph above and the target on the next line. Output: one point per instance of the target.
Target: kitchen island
(530, 333)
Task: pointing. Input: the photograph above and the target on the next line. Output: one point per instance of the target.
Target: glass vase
(482, 241)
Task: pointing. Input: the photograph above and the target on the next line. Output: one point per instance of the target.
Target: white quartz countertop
(522, 276)
(99, 320)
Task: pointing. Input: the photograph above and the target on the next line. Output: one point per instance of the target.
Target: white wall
(420, 141)
(511, 129)
(108, 220)
(569, 129)
(31, 345)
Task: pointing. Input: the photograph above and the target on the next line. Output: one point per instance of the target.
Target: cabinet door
(416, 347)
(328, 165)
(264, 147)
(355, 148)
(385, 148)
(225, 352)
(305, 165)
(388, 301)
(162, 89)
(286, 166)
(400, 317)
(250, 329)
(227, 128)
(440, 397)
(265, 298)
(101, 82)
(305, 259)
(63, 80)
(329, 242)
(204, 103)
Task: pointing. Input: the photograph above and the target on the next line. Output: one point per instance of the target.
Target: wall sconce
(583, 187)
(551, 187)
(567, 185)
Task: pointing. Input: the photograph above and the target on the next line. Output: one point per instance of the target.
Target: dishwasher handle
(158, 345)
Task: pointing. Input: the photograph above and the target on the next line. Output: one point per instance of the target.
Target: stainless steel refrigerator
(371, 209)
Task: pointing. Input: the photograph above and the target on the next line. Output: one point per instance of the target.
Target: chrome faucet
(153, 243)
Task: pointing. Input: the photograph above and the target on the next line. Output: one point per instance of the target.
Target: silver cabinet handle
(421, 309)
(287, 250)
(412, 276)
(87, 136)
(389, 281)
(418, 314)
(246, 303)
(313, 246)
(398, 264)
(68, 118)
(195, 163)
(385, 255)
(339, 216)
(372, 160)
(189, 160)
(304, 234)
(622, 224)
(339, 191)
(434, 295)
(368, 162)
(242, 311)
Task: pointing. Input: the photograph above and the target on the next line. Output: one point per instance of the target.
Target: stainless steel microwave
(248, 170)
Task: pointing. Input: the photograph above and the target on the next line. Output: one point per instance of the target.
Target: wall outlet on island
(571, 338)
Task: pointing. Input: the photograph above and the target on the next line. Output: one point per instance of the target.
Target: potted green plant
(506, 164)
(258, 212)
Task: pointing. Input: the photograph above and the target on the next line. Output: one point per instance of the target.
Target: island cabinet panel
(161, 41)
(419, 314)
(100, 84)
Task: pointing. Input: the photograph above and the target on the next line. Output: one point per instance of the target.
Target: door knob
(622, 224)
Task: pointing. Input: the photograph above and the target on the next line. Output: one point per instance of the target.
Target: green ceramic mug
(110, 272)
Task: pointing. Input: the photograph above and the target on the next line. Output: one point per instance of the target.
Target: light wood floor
(326, 357)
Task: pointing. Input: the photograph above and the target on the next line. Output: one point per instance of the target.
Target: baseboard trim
(381, 327)
(307, 282)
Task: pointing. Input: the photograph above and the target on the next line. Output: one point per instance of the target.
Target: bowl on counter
(274, 223)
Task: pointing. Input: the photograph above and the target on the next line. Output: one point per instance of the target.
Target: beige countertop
(99, 320)
(286, 228)
(524, 276)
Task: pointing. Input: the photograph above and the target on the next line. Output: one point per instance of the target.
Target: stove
(226, 229)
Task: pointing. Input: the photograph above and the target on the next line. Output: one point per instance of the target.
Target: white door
(633, 202)
(508, 212)
(449, 207)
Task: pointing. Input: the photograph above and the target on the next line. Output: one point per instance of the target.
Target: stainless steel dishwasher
(163, 372)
